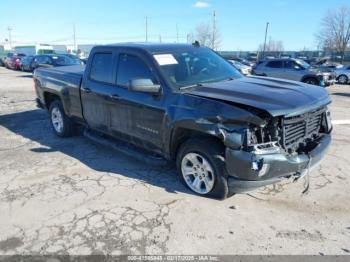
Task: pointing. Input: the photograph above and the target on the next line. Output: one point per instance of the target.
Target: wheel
(61, 124)
(343, 79)
(311, 81)
(201, 167)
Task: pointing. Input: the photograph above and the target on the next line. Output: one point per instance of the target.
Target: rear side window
(131, 67)
(275, 64)
(102, 67)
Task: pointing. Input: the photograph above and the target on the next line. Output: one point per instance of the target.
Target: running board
(126, 149)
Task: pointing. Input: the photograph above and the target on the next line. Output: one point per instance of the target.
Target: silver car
(343, 74)
(294, 69)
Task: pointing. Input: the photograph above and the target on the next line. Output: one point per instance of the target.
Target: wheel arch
(305, 77)
(181, 134)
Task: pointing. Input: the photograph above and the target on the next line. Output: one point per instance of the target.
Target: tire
(311, 81)
(60, 122)
(207, 153)
(343, 79)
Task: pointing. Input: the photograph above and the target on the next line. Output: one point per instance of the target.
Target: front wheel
(311, 81)
(60, 122)
(201, 167)
(343, 79)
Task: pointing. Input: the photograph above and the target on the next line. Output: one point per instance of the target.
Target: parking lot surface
(71, 196)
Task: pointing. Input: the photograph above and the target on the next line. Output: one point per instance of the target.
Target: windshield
(195, 66)
(64, 61)
(302, 63)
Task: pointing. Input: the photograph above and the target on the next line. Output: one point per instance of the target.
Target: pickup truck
(226, 133)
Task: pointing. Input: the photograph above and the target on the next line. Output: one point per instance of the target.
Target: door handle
(114, 96)
(86, 90)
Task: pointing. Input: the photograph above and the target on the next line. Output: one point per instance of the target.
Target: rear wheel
(343, 79)
(311, 81)
(60, 122)
(201, 167)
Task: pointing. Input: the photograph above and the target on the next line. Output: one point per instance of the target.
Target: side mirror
(144, 85)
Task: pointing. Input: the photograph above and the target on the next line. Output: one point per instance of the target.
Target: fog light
(258, 165)
(264, 169)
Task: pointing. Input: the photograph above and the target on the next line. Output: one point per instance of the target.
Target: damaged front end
(282, 147)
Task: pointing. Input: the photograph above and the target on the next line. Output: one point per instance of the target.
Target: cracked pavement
(71, 196)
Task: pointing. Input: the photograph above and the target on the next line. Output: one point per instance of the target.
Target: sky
(241, 23)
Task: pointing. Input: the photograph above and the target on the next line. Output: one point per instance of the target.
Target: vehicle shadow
(341, 94)
(34, 125)
(26, 76)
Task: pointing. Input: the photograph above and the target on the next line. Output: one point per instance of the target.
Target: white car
(244, 69)
(343, 74)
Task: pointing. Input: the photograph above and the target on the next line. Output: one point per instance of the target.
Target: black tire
(312, 81)
(213, 153)
(343, 79)
(68, 126)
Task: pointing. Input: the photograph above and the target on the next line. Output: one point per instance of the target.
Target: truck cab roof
(152, 47)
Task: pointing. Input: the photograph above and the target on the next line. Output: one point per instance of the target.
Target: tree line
(333, 36)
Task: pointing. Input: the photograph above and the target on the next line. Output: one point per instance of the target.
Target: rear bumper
(272, 168)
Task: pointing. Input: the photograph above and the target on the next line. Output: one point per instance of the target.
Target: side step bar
(126, 149)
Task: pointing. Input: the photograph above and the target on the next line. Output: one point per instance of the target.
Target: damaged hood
(276, 96)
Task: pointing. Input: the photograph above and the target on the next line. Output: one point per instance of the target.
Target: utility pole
(146, 28)
(177, 34)
(74, 39)
(214, 30)
(267, 27)
(10, 36)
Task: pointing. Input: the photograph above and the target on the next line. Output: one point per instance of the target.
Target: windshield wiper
(191, 86)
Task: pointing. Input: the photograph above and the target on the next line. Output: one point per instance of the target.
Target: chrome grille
(299, 129)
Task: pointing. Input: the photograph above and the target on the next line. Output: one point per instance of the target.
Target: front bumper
(273, 167)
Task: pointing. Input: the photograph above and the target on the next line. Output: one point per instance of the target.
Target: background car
(294, 69)
(7, 59)
(53, 61)
(27, 63)
(15, 62)
(244, 69)
(343, 74)
(76, 58)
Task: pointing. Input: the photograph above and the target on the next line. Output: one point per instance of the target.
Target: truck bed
(72, 74)
(64, 82)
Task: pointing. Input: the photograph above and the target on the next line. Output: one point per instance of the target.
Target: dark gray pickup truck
(227, 133)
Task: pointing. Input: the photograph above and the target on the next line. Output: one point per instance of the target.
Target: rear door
(97, 89)
(274, 69)
(137, 116)
(292, 70)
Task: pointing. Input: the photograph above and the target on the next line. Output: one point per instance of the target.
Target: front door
(137, 116)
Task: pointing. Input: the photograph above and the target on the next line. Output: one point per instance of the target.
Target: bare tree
(204, 34)
(335, 31)
(272, 46)
(207, 35)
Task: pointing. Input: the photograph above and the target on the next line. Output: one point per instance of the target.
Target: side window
(274, 64)
(131, 67)
(102, 67)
